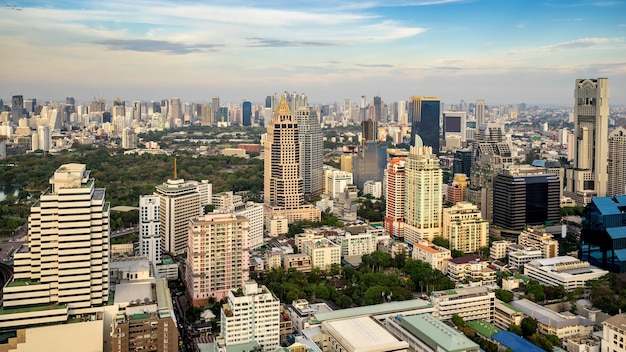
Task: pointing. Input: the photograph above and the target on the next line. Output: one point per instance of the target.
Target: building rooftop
(617, 232)
(426, 248)
(436, 333)
(364, 334)
(32, 308)
(484, 328)
(383, 308)
(515, 342)
(462, 291)
(466, 259)
(610, 205)
(549, 317)
(132, 291)
(618, 321)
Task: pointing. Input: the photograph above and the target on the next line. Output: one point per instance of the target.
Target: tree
(535, 291)
(529, 326)
(441, 242)
(504, 295)
(458, 321)
(516, 329)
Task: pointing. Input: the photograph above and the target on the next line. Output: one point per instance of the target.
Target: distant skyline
(500, 51)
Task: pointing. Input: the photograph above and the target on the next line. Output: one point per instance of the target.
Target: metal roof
(514, 342)
(608, 205)
(383, 308)
(617, 232)
(436, 333)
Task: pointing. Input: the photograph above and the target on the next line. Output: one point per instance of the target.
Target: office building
(44, 135)
(456, 191)
(565, 271)
(335, 181)
(136, 111)
(480, 112)
(67, 228)
(246, 113)
(603, 233)
(180, 201)
(614, 334)
(373, 188)
(359, 334)
(424, 197)
(465, 228)
(472, 303)
(129, 139)
(312, 156)
(525, 196)
(378, 110)
(149, 228)
(564, 326)
(283, 182)
(217, 257)
(175, 112)
(617, 162)
(424, 332)
(425, 114)
(370, 163)
(462, 162)
(252, 313)
(454, 127)
(589, 176)
(395, 208)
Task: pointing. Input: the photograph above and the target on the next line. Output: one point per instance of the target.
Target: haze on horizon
(501, 51)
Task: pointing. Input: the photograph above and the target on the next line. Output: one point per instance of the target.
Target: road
(124, 232)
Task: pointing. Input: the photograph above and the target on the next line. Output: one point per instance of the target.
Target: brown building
(145, 332)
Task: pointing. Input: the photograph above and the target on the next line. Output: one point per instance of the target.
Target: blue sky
(502, 51)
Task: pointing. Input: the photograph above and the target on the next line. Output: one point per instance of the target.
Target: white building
(363, 243)
(538, 238)
(129, 139)
(323, 253)
(498, 249)
(65, 264)
(179, 202)
(359, 334)
(470, 270)
(335, 181)
(565, 271)
(217, 256)
(517, 259)
(149, 228)
(617, 162)
(375, 188)
(469, 303)
(614, 334)
(432, 254)
(251, 314)
(253, 212)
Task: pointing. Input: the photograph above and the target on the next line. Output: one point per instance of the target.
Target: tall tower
(426, 121)
(217, 259)
(617, 162)
(395, 201)
(424, 193)
(215, 106)
(149, 227)
(480, 112)
(283, 183)
(66, 260)
(179, 202)
(246, 113)
(312, 158)
(176, 111)
(136, 110)
(378, 109)
(591, 123)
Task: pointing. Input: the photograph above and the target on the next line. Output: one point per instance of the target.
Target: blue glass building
(425, 113)
(603, 237)
(246, 113)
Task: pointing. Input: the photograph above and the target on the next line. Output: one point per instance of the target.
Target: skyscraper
(591, 122)
(136, 110)
(215, 106)
(395, 201)
(424, 193)
(149, 228)
(378, 109)
(426, 121)
(246, 113)
(312, 156)
(217, 259)
(617, 162)
(65, 264)
(525, 196)
(454, 128)
(175, 111)
(480, 112)
(283, 183)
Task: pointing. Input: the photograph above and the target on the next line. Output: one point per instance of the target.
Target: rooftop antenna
(175, 174)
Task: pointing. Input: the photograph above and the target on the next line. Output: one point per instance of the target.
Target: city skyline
(502, 52)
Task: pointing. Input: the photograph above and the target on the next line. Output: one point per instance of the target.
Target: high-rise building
(217, 259)
(246, 113)
(465, 228)
(215, 106)
(378, 110)
(454, 127)
(136, 110)
(64, 267)
(395, 209)
(479, 111)
(312, 156)
(462, 162)
(44, 134)
(602, 237)
(179, 202)
(525, 196)
(149, 227)
(283, 183)
(426, 111)
(424, 194)
(175, 111)
(617, 162)
(129, 138)
(589, 176)
(335, 181)
(251, 314)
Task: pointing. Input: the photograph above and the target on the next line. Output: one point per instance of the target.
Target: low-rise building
(362, 334)
(517, 259)
(470, 270)
(432, 254)
(550, 322)
(469, 303)
(299, 261)
(565, 271)
(359, 244)
(301, 310)
(506, 314)
(323, 253)
(424, 332)
(614, 333)
(498, 249)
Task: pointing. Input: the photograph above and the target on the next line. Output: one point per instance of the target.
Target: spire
(175, 173)
(283, 108)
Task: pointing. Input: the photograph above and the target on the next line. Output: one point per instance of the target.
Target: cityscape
(313, 176)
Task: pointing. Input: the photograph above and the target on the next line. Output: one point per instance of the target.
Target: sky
(502, 51)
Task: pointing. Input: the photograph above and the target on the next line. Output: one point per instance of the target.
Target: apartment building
(469, 303)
